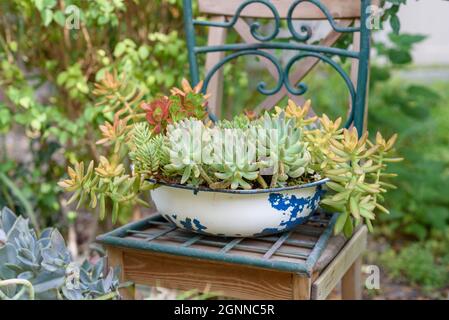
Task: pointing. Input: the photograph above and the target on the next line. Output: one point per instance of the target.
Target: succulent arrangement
(40, 266)
(175, 142)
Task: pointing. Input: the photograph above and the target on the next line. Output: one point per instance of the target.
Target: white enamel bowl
(238, 213)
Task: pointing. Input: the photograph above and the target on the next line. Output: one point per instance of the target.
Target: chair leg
(302, 287)
(351, 286)
(115, 259)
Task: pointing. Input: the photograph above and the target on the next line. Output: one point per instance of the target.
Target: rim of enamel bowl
(252, 191)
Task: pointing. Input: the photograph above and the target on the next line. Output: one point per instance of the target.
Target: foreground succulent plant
(40, 267)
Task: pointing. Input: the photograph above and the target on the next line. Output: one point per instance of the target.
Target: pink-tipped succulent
(189, 102)
(158, 114)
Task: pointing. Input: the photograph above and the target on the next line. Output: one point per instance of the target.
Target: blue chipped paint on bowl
(237, 213)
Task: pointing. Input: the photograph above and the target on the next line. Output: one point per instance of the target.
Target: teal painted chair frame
(357, 92)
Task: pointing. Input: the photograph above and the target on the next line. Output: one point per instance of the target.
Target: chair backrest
(344, 16)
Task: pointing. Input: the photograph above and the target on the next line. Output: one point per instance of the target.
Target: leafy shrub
(47, 71)
(419, 264)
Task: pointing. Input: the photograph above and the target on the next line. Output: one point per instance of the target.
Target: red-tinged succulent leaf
(158, 113)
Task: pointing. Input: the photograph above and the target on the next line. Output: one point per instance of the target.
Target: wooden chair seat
(306, 263)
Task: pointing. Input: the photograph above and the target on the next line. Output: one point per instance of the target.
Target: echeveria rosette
(235, 175)
(186, 140)
(281, 140)
(238, 166)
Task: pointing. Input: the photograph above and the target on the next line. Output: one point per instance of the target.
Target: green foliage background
(47, 72)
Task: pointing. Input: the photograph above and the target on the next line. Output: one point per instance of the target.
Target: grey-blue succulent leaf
(85, 276)
(46, 233)
(46, 280)
(86, 266)
(7, 273)
(27, 275)
(43, 242)
(98, 269)
(10, 290)
(27, 264)
(8, 261)
(7, 219)
(57, 242)
(14, 267)
(52, 294)
(8, 254)
(2, 237)
(18, 229)
(108, 281)
(27, 254)
(55, 255)
(96, 287)
(72, 294)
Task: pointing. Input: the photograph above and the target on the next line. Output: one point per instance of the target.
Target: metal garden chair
(308, 263)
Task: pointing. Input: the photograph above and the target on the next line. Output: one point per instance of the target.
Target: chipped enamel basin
(237, 213)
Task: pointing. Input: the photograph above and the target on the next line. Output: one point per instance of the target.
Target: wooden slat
(354, 63)
(340, 265)
(191, 241)
(343, 9)
(161, 233)
(351, 284)
(301, 287)
(231, 245)
(216, 37)
(115, 259)
(276, 245)
(222, 278)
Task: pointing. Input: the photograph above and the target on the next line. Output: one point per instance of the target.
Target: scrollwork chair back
(344, 16)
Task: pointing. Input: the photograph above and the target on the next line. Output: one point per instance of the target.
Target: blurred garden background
(49, 117)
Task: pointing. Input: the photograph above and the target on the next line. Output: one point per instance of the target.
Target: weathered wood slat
(340, 265)
(276, 245)
(343, 9)
(301, 287)
(217, 36)
(231, 245)
(115, 259)
(192, 241)
(351, 288)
